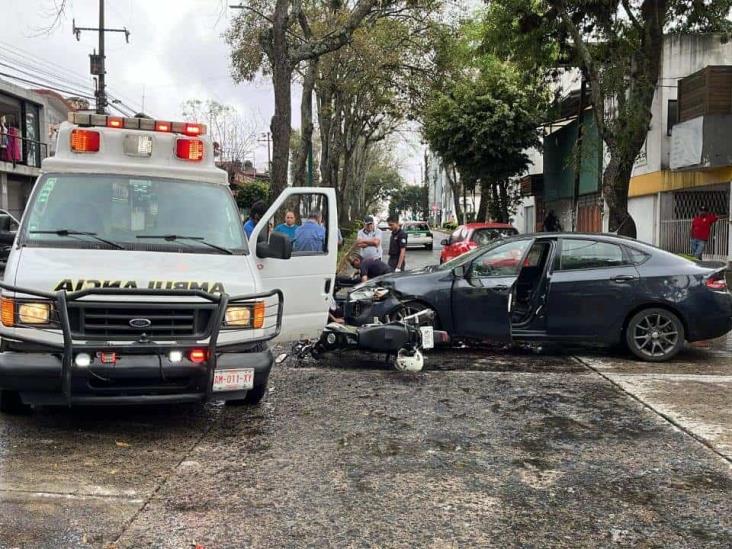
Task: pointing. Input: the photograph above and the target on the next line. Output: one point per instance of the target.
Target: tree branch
(598, 100)
(631, 16)
(337, 39)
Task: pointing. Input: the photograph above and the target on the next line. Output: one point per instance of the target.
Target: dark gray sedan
(561, 287)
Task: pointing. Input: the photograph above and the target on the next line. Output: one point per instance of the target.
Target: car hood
(53, 269)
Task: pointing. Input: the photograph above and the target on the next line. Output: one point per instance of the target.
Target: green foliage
(249, 193)
(412, 200)
(382, 182)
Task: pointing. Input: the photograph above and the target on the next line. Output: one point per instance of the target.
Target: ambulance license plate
(233, 380)
(428, 337)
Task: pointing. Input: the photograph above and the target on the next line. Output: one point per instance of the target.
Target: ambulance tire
(12, 404)
(254, 396)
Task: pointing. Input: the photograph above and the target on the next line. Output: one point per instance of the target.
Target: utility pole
(96, 61)
(267, 138)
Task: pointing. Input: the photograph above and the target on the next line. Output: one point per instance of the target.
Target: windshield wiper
(199, 239)
(67, 232)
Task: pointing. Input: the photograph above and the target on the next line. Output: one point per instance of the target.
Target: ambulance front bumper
(41, 364)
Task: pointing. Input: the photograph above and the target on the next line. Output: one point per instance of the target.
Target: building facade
(25, 135)
(687, 161)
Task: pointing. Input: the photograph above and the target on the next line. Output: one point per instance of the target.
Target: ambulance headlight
(34, 313)
(250, 315)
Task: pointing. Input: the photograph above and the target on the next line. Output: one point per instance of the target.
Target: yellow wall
(666, 180)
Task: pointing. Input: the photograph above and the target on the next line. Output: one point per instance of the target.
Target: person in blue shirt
(310, 236)
(255, 214)
(288, 227)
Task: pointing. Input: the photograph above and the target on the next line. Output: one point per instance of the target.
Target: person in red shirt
(701, 226)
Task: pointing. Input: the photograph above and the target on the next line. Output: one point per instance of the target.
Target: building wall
(560, 160)
(683, 54)
(644, 212)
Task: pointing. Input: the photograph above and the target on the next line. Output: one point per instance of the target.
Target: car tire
(655, 335)
(406, 309)
(254, 397)
(12, 404)
(428, 246)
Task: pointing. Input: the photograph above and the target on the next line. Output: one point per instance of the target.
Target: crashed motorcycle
(402, 340)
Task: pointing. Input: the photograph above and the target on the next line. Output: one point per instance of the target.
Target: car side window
(636, 256)
(589, 254)
(501, 261)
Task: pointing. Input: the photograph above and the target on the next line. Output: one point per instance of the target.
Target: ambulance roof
(121, 149)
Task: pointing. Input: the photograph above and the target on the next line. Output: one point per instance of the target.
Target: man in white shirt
(369, 240)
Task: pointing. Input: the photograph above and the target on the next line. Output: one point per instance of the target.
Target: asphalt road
(486, 447)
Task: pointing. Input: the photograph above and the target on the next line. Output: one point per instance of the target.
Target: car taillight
(716, 283)
(189, 149)
(84, 141)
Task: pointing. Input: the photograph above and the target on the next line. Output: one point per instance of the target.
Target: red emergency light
(115, 122)
(197, 356)
(161, 126)
(189, 149)
(193, 129)
(83, 141)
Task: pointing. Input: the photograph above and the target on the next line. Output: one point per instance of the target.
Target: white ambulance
(131, 280)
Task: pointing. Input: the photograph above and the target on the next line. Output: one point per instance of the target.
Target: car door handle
(501, 287)
(327, 285)
(620, 279)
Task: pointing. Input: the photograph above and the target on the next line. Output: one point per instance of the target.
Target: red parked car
(472, 235)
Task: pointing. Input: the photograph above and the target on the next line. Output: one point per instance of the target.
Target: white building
(687, 161)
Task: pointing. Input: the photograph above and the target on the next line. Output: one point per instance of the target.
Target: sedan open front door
(481, 296)
(306, 278)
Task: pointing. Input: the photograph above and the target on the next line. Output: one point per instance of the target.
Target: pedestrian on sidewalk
(397, 245)
(368, 240)
(701, 227)
(551, 223)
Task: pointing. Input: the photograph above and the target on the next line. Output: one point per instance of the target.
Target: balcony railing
(23, 151)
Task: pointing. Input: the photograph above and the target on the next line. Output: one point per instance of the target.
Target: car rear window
(589, 254)
(637, 256)
(417, 227)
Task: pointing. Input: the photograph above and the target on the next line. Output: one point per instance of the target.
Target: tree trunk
(281, 80)
(455, 187)
(482, 215)
(615, 182)
(306, 126)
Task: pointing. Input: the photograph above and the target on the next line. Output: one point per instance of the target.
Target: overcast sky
(176, 52)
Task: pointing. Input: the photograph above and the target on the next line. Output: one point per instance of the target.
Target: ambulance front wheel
(11, 403)
(254, 396)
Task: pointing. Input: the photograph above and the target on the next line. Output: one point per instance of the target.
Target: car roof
(490, 225)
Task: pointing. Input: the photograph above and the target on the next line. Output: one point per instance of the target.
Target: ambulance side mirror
(278, 247)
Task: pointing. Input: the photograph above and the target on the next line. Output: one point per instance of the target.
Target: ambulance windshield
(133, 213)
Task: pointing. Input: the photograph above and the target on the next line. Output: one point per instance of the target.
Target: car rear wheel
(428, 246)
(655, 335)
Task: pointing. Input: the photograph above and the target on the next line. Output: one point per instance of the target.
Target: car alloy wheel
(406, 310)
(655, 335)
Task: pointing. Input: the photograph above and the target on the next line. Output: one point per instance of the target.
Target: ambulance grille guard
(67, 346)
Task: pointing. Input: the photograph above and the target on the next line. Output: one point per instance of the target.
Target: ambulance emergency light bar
(186, 128)
(85, 139)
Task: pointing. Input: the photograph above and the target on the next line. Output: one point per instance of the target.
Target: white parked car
(418, 234)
